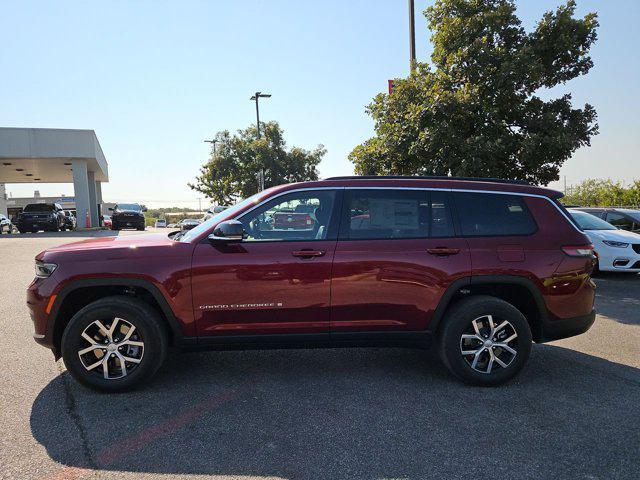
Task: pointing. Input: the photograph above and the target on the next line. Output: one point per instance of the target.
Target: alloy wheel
(111, 348)
(486, 346)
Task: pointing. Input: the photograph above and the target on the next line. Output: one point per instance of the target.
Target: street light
(412, 36)
(213, 143)
(256, 96)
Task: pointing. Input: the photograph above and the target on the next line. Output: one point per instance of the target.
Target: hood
(613, 235)
(119, 242)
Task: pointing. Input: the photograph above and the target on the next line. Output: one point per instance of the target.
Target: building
(50, 155)
(15, 205)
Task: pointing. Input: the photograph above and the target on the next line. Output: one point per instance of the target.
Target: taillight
(579, 251)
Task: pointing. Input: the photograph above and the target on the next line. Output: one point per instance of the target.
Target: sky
(154, 79)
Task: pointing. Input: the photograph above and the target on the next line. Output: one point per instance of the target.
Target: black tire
(459, 320)
(148, 324)
(141, 229)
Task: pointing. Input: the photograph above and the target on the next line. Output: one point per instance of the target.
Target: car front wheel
(484, 340)
(114, 344)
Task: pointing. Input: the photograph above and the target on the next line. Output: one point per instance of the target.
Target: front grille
(636, 247)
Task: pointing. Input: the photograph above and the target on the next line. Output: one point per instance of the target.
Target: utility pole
(256, 97)
(412, 36)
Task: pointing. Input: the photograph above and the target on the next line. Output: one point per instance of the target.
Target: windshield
(39, 207)
(128, 206)
(586, 221)
(229, 212)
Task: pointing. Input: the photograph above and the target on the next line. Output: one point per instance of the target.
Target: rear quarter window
(488, 214)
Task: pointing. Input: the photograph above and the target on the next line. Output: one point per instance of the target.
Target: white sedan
(617, 250)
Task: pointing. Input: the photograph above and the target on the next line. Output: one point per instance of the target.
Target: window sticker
(395, 214)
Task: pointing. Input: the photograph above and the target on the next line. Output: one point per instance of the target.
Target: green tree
(603, 193)
(475, 110)
(230, 174)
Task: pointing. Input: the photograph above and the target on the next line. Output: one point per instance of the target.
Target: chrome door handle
(443, 251)
(308, 253)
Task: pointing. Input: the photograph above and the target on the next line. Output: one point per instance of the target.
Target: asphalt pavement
(322, 414)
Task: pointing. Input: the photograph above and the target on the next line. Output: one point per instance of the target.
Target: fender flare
(447, 296)
(172, 321)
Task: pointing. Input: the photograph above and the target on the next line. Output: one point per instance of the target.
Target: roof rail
(432, 177)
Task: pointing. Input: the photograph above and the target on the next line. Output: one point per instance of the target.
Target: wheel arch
(81, 292)
(521, 292)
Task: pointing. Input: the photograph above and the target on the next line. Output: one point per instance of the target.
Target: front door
(277, 280)
(396, 255)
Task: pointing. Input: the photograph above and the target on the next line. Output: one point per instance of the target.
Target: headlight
(611, 243)
(44, 270)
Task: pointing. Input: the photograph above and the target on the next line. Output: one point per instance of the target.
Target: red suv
(480, 267)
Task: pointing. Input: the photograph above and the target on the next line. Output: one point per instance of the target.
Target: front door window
(298, 216)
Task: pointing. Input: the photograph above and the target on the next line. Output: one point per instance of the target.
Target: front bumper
(39, 295)
(625, 260)
(36, 223)
(127, 222)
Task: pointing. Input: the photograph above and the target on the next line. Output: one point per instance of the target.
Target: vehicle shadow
(618, 297)
(352, 413)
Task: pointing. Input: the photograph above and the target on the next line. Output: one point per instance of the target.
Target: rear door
(499, 229)
(396, 255)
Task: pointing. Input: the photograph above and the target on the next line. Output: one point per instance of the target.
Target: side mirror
(228, 231)
(144, 209)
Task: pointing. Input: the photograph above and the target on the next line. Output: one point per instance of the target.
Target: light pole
(256, 96)
(412, 36)
(213, 143)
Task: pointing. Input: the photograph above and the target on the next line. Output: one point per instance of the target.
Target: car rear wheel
(484, 340)
(114, 344)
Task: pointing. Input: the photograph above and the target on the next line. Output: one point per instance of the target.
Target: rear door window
(395, 214)
(488, 214)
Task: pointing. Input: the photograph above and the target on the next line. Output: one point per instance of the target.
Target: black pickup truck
(41, 216)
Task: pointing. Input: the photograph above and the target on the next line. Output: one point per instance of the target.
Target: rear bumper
(567, 327)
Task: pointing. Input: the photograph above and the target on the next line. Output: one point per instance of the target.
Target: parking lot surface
(574, 412)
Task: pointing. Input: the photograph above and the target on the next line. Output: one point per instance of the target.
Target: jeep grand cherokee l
(479, 268)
